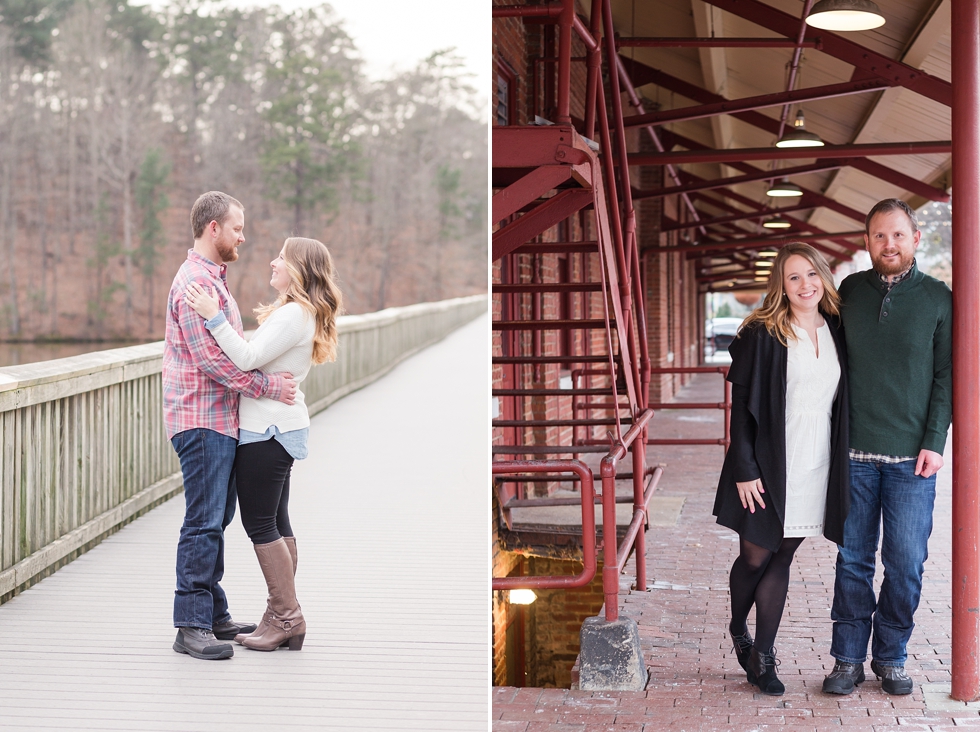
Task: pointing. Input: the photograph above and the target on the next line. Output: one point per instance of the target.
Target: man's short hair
(211, 206)
(891, 204)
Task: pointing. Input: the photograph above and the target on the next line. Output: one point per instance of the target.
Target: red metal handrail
(551, 582)
(726, 406)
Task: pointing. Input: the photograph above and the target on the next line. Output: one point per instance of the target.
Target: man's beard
(903, 263)
(227, 252)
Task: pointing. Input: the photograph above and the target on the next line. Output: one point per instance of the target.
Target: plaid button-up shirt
(200, 383)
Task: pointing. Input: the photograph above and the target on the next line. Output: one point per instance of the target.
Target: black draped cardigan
(758, 433)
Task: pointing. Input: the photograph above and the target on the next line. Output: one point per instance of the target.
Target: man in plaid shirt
(201, 388)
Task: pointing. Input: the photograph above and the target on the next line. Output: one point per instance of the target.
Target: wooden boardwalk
(390, 514)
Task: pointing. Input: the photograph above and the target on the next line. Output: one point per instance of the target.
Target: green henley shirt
(899, 352)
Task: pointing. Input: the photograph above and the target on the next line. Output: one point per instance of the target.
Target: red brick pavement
(695, 681)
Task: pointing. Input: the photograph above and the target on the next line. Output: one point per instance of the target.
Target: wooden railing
(83, 449)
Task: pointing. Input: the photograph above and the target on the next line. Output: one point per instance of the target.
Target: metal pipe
(794, 65)
(629, 214)
(588, 525)
(966, 357)
(638, 106)
(610, 571)
(565, 61)
(593, 65)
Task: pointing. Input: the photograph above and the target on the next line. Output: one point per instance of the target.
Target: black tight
(262, 474)
(761, 577)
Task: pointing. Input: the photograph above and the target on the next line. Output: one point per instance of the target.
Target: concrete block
(610, 658)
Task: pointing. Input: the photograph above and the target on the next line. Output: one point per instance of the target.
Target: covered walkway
(695, 682)
(391, 576)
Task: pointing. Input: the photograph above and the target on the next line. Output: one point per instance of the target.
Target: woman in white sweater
(296, 331)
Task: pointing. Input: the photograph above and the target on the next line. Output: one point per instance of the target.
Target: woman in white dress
(785, 474)
(296, 331)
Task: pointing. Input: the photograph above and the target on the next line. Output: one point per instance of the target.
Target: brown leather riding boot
(283, 623)
(291, 545)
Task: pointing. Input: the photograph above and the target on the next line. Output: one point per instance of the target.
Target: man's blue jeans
(207, 461)
(893, 497)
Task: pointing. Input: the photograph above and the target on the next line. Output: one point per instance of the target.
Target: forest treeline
(114, 117)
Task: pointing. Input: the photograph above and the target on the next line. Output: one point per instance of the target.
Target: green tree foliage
(151, 201)
(310, 112)
(31, 24)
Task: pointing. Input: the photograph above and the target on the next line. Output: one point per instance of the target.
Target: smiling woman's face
(802, 284)
(280, 275)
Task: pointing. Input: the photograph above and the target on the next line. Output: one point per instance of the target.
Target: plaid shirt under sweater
(200, 383)
(874, 457)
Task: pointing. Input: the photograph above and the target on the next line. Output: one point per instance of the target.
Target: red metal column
(966, 355)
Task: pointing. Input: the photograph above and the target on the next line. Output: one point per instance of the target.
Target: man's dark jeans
(207, 460)
(893, 497)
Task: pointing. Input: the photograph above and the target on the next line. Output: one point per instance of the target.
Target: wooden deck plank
(390, 515)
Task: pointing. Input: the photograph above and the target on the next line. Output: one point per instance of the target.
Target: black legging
(262, 474)
(760, 577)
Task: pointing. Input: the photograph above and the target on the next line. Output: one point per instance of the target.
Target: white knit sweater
(284, 342)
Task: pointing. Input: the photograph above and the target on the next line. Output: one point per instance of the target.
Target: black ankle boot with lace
(742, 645)
(763, 666)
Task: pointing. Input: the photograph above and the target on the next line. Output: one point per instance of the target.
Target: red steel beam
(762, 101)
(843, 49)
(527, 11)
(643, 74)
(528, 189)
(966, 356)
(665, 42)
(774, 153)
(557, 208)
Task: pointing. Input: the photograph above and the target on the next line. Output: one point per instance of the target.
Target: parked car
(720, 333)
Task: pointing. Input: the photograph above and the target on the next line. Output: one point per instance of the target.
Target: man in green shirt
(898, 329)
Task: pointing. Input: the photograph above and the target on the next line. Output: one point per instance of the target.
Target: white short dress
(811, 386)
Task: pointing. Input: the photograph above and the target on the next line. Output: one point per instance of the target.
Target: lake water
(16, 354)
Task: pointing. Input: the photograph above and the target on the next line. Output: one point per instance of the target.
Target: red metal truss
(797, 223)
(823, 200)
(748, 243)
(681, 42)
(775, 153)
(670, 225)
(843, 49)
(817, 167)
(642, 74)
(762, 101)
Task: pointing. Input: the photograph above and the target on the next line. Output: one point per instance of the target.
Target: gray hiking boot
(201, 644)
(843, 678)
(894, 680)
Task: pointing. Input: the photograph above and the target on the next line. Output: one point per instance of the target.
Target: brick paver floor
(695, 681)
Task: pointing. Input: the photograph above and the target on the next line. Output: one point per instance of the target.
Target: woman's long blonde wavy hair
(775, 313)
(312, 286)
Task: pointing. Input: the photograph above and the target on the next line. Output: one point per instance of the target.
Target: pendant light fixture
(784, 189)
(845, 15)
(797, 136)
(776, 222)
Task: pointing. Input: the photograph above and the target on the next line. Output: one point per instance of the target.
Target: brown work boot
(283, 623)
